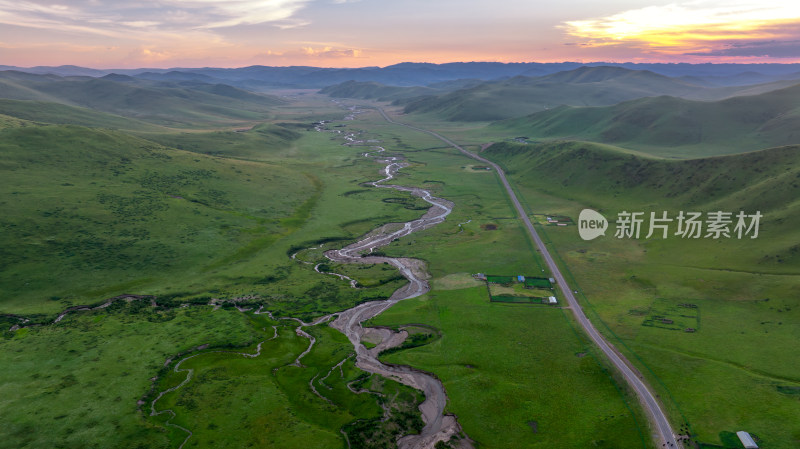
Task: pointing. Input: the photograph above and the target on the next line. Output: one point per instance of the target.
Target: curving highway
(663, 429)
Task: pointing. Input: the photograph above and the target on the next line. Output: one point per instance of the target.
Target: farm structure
(552, 220)
(747, 440)
(519, 289)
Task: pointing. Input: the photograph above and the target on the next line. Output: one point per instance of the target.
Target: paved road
(665, 434)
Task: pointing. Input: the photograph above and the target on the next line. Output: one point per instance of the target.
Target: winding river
(438, 426)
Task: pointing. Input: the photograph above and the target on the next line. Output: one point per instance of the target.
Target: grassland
(734, 371)
(734, 365)
(76, 384)
(672, 126)
(191, 105)
(61, 114)
(381, 92)
(108, 213)
(516, 376)
(204, 211)
(492, 357)
(205, 226)
(89, 207)
(85, 383)
(265, 401)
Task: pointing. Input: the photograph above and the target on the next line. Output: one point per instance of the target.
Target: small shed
(552, 300)
(520, 278)
(746, 440)
(552, 281)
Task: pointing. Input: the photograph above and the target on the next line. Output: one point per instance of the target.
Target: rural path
(438, 426)
(655, 413)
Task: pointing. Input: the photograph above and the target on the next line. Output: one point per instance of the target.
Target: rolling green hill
(370, 90)
(740, 293)
(175, 104)
(255, 143)
(585, 86)
(603, 170)
(61, 114)
(766, 180)
(92, 213)
(676, 126)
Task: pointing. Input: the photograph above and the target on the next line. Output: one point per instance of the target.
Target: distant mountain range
(424, 74)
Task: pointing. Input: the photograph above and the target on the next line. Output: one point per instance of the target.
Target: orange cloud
(695, 28)
(310, 54)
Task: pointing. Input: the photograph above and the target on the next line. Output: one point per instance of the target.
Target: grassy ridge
(262, 141)
(585, 86)
(107, 213)
(767, 179)
(61, 114)
(372, 90)
(675, 126)
(162, 103)
(90, 207)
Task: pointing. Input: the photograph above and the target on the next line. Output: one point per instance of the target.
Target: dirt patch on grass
(456, 281)
(477, 168)
(489, 227)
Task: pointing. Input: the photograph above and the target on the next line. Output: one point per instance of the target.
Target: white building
(746, 440)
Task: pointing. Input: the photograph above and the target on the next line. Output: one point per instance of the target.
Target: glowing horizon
(122, 34)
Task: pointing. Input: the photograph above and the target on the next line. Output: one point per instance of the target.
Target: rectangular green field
(538, 282)
(500, 279)
(519, 299)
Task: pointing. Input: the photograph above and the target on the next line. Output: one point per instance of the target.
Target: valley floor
(235, 226)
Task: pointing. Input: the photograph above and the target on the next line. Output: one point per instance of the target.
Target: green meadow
(518, 375)
(189, 215)
(735, 370)
(496, 357)
(266, 401)
(108, 213)
(89, 381)
(233, 196)
(77, 383)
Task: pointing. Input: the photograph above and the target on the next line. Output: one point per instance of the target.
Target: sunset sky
(357, 33)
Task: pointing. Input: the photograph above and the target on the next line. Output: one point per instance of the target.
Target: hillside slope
(371, 90)
(726, 126)
(585, 86)
(613, 180)
(161, 103)
(92, 213)
(62, 114)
